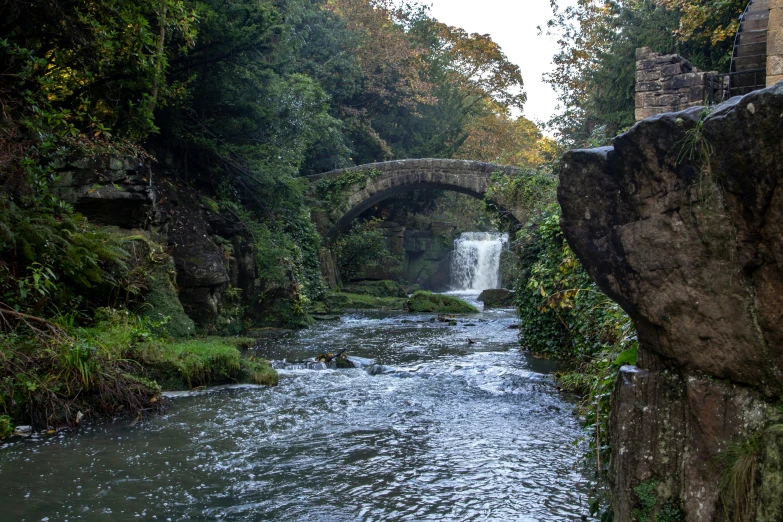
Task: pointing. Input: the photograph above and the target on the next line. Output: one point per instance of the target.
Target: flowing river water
(428, 427)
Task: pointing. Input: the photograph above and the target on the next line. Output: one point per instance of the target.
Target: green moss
(243, 343)
(6, 427)
(647, 494)
(652, 508)
(770, 486)
(163, 302)
(424, 301)
(258, 371)
(282, 312)
(670, 512)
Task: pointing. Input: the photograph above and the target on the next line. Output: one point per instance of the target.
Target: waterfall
(475, 262)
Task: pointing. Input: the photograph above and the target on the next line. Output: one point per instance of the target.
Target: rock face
(681, 222)
(108, 191)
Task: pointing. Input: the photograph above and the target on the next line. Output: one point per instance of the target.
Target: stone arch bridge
(340, 196)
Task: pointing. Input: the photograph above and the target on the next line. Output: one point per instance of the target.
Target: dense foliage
(363, 247)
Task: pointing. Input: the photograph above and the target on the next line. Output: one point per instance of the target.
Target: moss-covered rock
(164, 305)
(497, 298)
(770, 488)
(424, 301)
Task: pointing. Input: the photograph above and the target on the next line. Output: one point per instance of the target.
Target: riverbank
(117, 368)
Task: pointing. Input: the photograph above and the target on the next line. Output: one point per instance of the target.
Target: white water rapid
(475, 262)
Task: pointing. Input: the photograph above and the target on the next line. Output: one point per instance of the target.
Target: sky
(513, 25)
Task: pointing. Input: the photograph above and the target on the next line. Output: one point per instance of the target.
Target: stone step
(753, 49)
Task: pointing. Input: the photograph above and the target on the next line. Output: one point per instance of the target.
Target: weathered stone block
(775, 65)
(672, 69)
(668, 101)
(648, 86)
(648, 75)
(646, 65)
(775, 41)
(774, 80)
(684, 81)
(697, 94)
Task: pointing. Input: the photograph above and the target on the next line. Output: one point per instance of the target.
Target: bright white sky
(513, 25)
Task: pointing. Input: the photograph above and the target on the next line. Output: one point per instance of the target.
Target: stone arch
(366, 185)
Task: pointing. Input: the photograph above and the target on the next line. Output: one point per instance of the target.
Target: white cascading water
(475, 262)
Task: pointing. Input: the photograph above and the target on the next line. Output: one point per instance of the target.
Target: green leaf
(627, 357)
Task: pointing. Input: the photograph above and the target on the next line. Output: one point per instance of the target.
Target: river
(429, 427)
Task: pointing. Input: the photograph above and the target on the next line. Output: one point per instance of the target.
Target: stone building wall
(666, 83)
(775, 43)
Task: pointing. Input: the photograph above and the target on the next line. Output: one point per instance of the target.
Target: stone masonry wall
(775, 43)
(666, 83)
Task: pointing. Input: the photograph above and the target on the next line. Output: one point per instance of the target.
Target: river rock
(23, 431)
(497, 298)
(681, 222)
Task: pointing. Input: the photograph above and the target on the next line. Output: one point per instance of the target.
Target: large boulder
(681, 222)
(497, 298)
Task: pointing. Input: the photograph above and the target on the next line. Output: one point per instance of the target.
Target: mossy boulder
(424, 301)
(497, 298)
(385, 288)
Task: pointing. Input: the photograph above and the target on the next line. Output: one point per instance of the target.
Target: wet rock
(343, 363)
(691, 246)
(23, 431)
(375, 369)
(497, 298)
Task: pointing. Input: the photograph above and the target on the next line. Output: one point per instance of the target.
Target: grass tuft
(738, 479)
